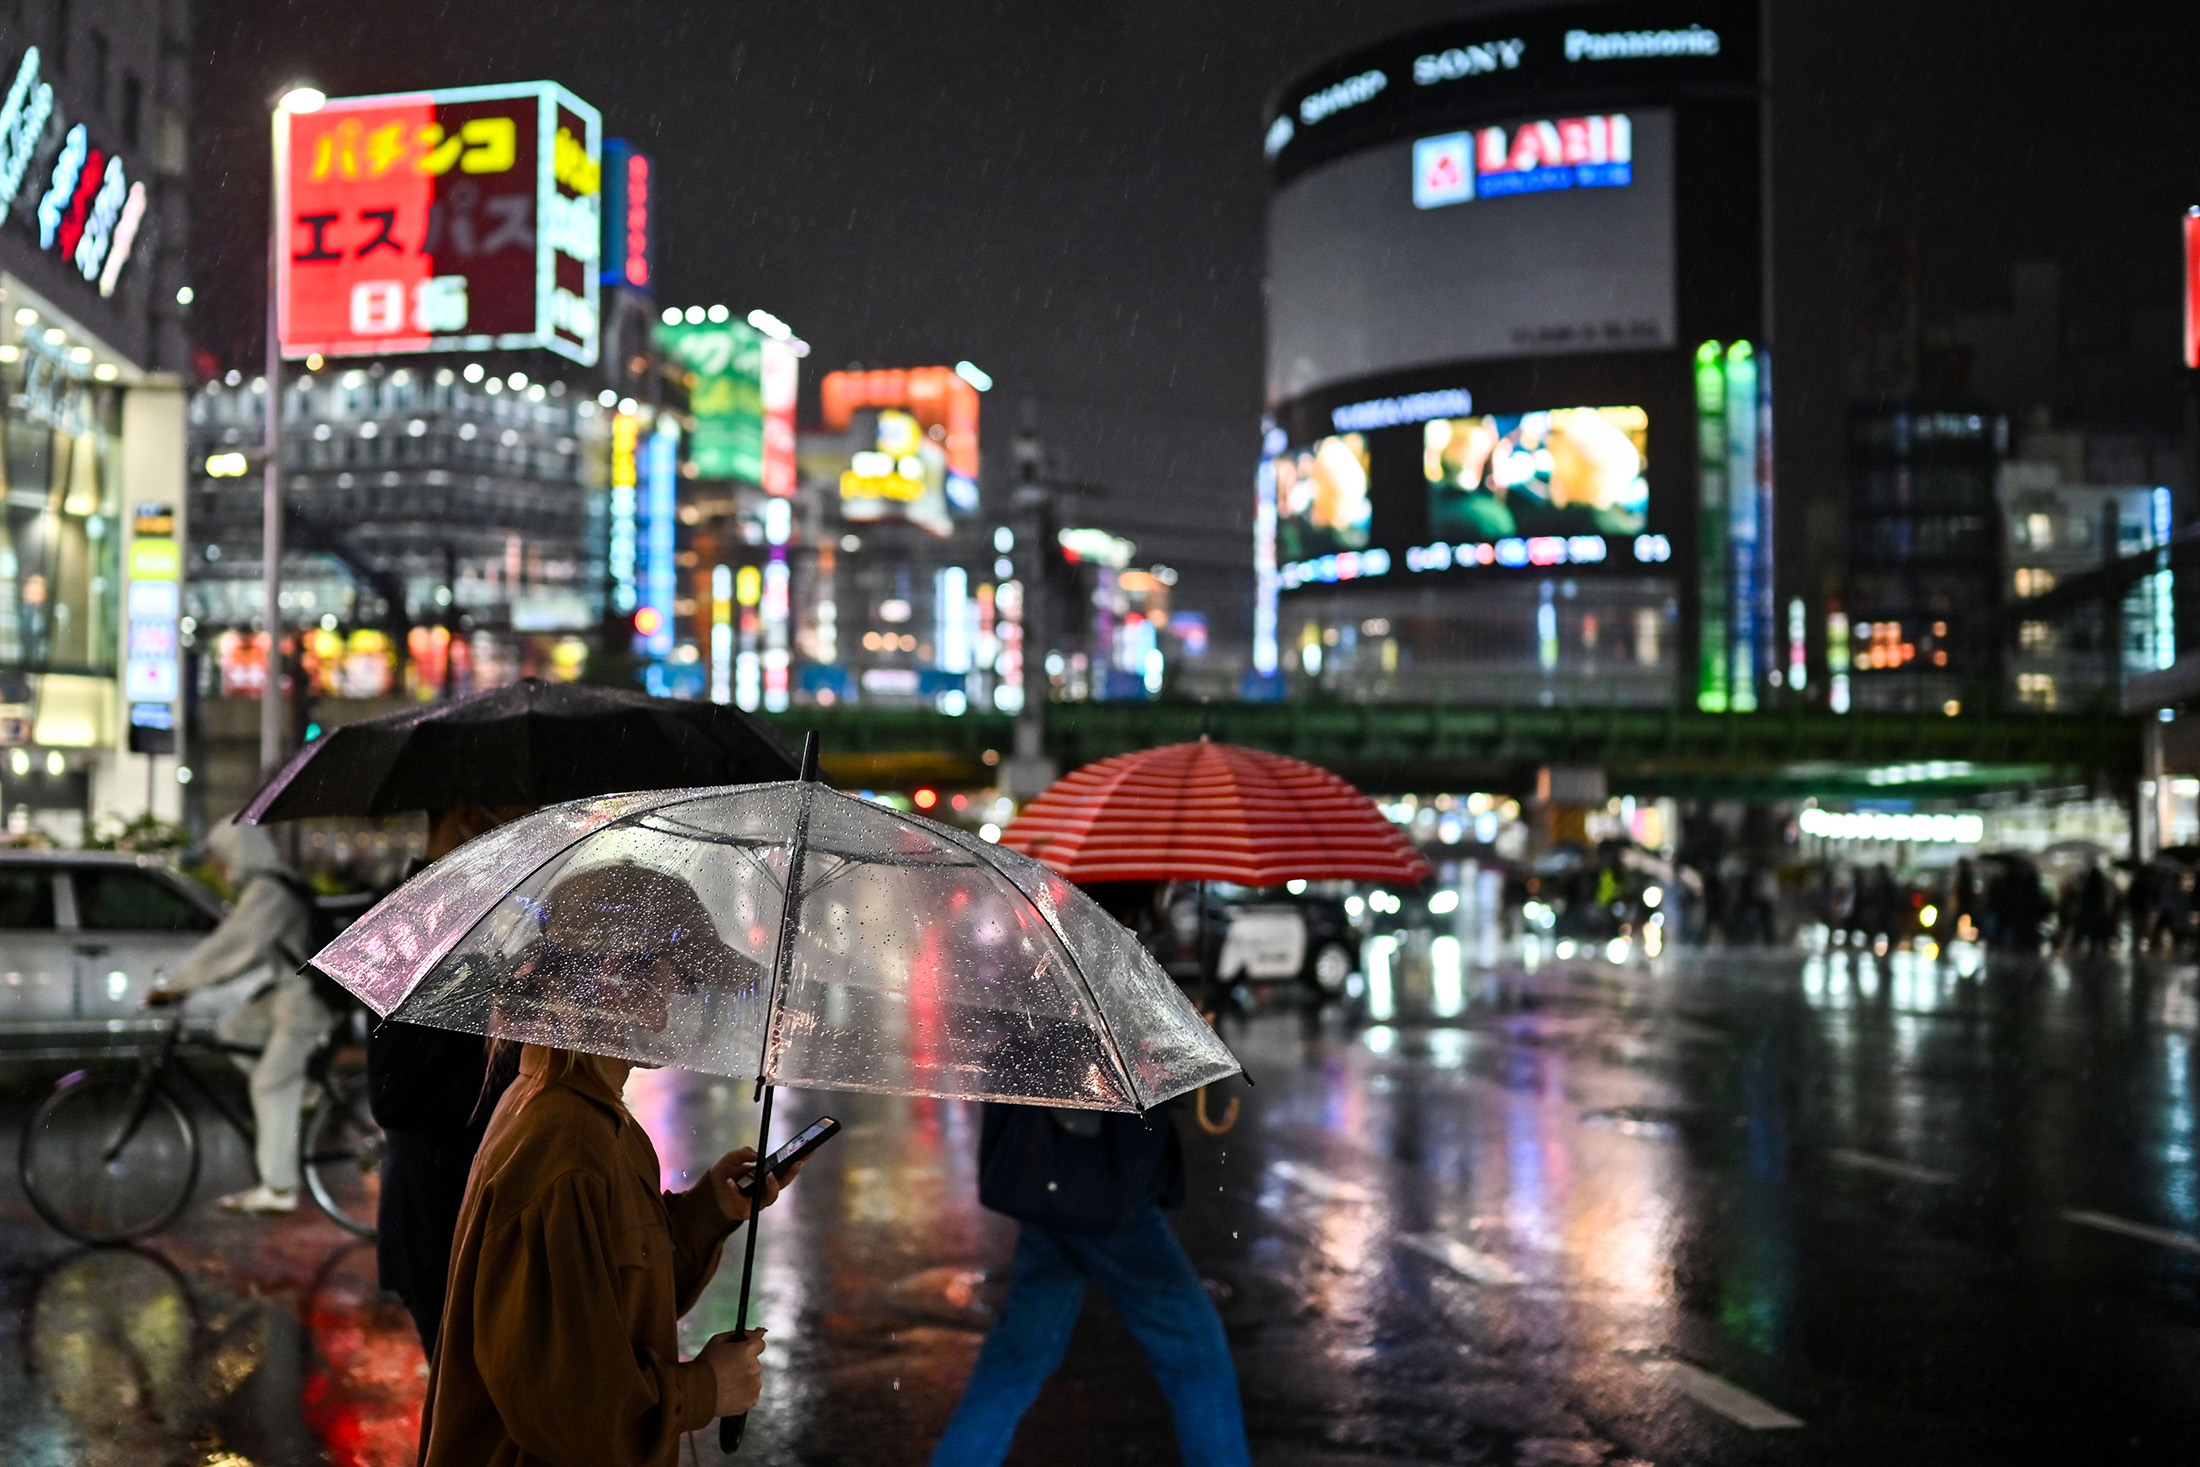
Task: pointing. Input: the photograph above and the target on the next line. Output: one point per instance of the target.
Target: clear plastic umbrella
(904, 956)
(790, 933)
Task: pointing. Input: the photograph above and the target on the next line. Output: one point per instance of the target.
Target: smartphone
(815, 1135)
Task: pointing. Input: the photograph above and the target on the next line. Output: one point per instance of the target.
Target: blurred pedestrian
(2093, 912)
(432, 1092)
(1087, 1189)
(271, 929)
(1963, 900)
(2142, 901)
(2173, 909)
(2019, 908)
(1876, 907)
(559, 1342)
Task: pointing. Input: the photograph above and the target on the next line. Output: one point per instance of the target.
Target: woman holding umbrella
(474, 764)
(570, 1270)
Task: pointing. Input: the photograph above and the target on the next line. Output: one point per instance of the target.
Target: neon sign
(464, 219)
(624, 550)
(627, 206)
(90, 210)
(1413, 407)
(22, 123)
(1533, 158)
(927, 456)
(1734, 507)
(1696, 40)
(658, 578)
(151, 667)
(1353, 91)
(2192, 288)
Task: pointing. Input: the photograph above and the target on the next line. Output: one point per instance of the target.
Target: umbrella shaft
(756, 1206)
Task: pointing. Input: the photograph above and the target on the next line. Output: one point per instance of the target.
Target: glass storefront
(59, 541)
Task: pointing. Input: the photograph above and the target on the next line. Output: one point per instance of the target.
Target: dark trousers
(423, 1185)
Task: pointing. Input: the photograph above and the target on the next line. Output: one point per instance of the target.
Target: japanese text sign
(455, 220)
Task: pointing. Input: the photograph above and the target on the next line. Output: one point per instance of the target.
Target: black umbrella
(533, 743)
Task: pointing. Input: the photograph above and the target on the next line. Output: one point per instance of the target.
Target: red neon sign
(453, 220)
(637, 221)
(2192, 288)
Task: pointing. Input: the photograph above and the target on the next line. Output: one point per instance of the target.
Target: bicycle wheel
(106, 1162)
(343, 1157)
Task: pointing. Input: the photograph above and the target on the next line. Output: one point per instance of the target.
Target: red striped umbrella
(1212, 812)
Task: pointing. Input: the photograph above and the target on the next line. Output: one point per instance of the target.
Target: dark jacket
(427, 1090)
(1077, 1171)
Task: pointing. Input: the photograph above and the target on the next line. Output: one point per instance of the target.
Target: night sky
(1071, 194)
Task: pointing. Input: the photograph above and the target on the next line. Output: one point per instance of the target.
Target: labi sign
(89, 210)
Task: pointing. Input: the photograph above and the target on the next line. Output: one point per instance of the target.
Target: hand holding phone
(782, 1161)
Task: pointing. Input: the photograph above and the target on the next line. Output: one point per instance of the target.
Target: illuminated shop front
(91, 442)
(439, 528)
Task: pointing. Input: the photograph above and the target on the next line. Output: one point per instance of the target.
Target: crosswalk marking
(1462, 1260)
(2108, 1223)
(1319, 1183)
(1722, 1396)
(1888, 1166)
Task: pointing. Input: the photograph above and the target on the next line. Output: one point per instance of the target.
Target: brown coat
(568, 1278)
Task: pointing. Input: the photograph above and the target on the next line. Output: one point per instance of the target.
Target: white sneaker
(260, 1199)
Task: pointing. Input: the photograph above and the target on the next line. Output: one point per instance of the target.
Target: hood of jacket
(247, 850)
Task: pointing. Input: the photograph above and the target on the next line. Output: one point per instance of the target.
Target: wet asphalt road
(1733, 1209)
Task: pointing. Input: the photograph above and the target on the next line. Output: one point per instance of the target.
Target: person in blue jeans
(1087, 1189)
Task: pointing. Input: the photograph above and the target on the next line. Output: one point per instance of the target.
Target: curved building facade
(1518, 442)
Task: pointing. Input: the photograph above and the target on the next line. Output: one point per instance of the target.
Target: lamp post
(289, 100)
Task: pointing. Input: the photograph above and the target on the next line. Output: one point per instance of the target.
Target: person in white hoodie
(269, 928)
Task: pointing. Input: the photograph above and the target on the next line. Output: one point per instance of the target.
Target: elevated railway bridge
(1394, 747)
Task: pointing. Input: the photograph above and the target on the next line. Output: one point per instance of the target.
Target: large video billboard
(457, 220)
(1506, 466)
(1567, 471)
(1535, 236)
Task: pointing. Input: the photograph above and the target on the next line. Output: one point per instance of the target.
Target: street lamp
(292, 99)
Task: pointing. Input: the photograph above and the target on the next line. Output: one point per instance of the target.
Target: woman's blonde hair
(559, 1063)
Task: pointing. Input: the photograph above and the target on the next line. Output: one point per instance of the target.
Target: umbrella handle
(729, 1432)
(1210, 1126)
(1199, 1103)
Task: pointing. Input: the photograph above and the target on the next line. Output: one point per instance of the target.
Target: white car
(1268, 939)
(84, 935)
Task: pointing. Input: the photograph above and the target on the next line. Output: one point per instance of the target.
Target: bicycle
(113, 1156)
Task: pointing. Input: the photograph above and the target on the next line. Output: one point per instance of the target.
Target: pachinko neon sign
(89, 211)
(464, 219)
(1531, 158)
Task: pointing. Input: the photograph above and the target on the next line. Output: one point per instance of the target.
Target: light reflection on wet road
(1768, 1208)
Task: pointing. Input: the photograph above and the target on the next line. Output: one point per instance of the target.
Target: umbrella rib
(789, 915)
